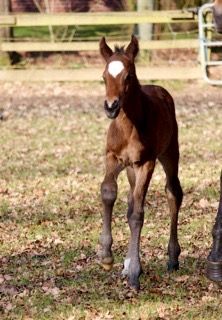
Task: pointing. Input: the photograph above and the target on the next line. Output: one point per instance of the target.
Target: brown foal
(214, 260)
(217, 13)
(143, 129)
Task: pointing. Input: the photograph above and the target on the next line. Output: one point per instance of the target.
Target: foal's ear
(105, 51)
(133, 48)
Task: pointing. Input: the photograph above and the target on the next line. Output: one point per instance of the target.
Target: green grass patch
(72, 32)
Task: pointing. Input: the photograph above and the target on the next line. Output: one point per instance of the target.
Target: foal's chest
(126, 146)
(130, 155)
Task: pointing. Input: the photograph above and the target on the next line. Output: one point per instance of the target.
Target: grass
(4, 60)
(51, 167)
(71, 32)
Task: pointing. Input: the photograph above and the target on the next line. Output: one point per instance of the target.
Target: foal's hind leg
(108, 194)
(174, 196)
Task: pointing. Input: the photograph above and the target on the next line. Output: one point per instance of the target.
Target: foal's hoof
(214, 271)
(107, 263)
(172, 266)
(133, 281)
(134, 284)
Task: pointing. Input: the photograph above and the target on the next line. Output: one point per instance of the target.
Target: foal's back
(161, 122)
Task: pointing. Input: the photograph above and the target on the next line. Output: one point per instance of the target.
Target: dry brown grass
(51, 165)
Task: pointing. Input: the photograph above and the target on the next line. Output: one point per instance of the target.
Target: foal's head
(217, 12)
(119, 74)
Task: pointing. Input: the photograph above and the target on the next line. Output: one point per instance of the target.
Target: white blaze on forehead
(115, 67)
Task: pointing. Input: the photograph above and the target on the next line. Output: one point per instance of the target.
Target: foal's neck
(132, 105)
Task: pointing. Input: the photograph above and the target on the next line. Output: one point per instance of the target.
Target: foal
(143, 129)
(217, 13)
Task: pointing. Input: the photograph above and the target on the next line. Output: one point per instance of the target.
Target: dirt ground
(27, 99)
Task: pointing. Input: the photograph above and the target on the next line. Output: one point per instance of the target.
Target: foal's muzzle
(112, 110)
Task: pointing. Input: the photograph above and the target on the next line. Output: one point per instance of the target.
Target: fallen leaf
(204, 203)
(182, 278)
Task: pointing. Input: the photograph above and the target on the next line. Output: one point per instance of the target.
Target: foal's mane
(119, 49)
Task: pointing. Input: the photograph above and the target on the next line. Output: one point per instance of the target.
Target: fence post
(6, 33)
(4, 9)
(145, 30)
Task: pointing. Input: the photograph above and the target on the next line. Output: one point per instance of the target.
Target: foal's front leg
(108, 194)
(143, 175)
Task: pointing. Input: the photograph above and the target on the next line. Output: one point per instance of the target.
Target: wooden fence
(86, 19)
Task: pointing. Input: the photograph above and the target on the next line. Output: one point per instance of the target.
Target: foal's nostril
(111, 105)
(106, 105)
(115, 104)
(112, 108)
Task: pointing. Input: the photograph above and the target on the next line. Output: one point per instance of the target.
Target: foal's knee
(136, 220)
(109, 192)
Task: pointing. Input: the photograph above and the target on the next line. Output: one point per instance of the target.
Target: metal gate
(206, 27)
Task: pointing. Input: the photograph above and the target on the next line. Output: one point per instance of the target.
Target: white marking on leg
(125, 270)
(115, 67)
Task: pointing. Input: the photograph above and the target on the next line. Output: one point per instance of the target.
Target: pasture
(51, 166)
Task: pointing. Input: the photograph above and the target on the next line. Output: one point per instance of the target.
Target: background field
(51, 166)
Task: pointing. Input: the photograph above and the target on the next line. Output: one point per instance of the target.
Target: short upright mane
(119, 49)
